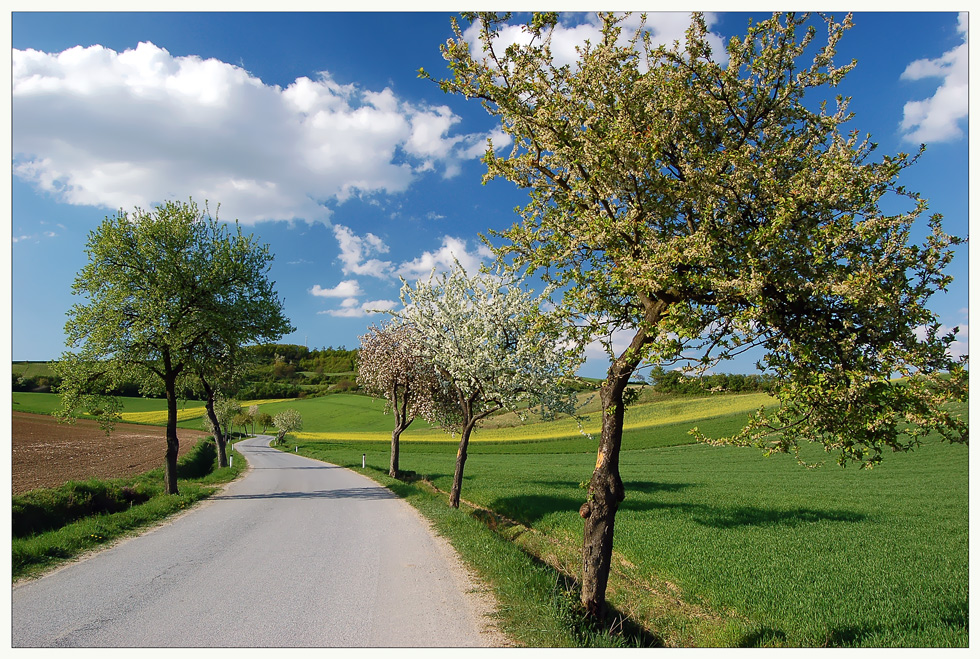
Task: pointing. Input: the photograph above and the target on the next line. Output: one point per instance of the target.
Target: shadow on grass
(850, 636)
(531, 508)
(729, 517)
(762, 638)
(651, 487)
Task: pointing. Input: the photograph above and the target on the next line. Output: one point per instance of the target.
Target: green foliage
(710, 207)
(199, 461)
(713, 207)
(263, 420)
(285, 422)
(46, 509)
(168, 295)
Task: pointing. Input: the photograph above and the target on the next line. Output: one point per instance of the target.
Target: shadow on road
(291, 467)
(342, 493)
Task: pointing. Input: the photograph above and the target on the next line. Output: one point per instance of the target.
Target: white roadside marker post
(363, 455)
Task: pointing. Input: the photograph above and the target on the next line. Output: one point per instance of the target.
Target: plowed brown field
(47, 453)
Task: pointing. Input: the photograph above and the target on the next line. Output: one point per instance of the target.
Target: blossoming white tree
(493, 347)
(389, 365)
(286, 421)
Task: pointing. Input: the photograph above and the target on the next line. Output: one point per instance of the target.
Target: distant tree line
(39, 383)
(294, 371)
(676, 382)
(272, 371)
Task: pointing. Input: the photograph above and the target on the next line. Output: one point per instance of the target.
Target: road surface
(298, 553)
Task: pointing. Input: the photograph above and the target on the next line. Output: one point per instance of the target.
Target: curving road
(298, 553)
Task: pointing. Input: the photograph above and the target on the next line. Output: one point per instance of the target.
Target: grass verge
(54, 525)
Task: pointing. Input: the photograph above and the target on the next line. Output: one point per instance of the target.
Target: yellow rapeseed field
(160, 416)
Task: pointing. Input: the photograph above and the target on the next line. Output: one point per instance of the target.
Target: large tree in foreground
(169, 294)
(708, 208)
(493, 348)
(389, 365)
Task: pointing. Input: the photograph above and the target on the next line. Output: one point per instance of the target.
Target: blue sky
(115, 110)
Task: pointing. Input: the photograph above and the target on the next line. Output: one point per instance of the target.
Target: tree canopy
(493, 348)
(170, 297)
(708, 206)
(390, 365)
(285, 422)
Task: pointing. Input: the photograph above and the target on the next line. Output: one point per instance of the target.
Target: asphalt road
(322, 557)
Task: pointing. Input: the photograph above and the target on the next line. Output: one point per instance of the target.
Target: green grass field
(722, 546)
(714, 546)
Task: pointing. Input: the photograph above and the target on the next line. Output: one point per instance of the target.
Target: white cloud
(345, 289)
(122, 129)
(937, 119)
(619, 341)
(355, 249)
(959, 347)
(574, 30)
(444, 258)
(35, 237)
(351, 309)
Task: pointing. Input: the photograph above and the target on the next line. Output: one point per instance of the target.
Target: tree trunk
(606, 492)
(606, 489)
(172, 444)
(464, 441)
(401, 423)
(219, 437)
(393, 465)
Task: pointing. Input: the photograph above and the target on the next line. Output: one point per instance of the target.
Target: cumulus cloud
(121, 129)
(353, 308)
(444, 258)
(959, 347)
(345, 289)
(937, 119)
(355, 249)
(575, 29)
(356, 252)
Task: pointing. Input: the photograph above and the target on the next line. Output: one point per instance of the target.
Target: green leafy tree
(169, 294)
(710, 208)
(492, 347)
(264, 419)
(241, 419)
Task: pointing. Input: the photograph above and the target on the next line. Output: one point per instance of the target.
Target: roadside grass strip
(55, 525)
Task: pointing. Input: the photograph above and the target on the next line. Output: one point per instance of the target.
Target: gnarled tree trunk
(401, 423)
(606, 490)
